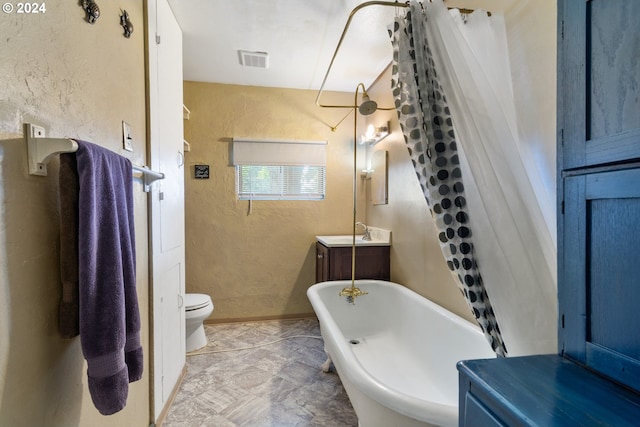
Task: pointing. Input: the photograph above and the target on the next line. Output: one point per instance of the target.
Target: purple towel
(109, 316)
(69, 304)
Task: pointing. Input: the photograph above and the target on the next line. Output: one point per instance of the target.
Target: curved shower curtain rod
(344, 32)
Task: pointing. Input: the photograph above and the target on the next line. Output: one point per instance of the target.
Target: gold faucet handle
(352, 293)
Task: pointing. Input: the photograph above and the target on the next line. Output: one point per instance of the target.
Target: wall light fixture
(375, 134)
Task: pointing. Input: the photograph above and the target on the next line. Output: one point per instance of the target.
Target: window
(279, 170)
(280, 182)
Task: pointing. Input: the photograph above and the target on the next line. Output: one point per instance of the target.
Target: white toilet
(197, 308)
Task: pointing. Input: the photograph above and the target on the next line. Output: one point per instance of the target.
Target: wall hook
(126, 23)
(92, 10)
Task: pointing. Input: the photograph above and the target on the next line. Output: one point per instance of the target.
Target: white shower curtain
(512, 223)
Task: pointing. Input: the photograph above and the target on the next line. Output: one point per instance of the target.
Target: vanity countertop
(379, 237)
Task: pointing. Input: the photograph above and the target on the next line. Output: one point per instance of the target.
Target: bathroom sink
(379, 237)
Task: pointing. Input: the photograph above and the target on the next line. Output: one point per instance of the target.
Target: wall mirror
(379, 187)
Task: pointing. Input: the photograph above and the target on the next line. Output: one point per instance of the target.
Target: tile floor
(277, 385)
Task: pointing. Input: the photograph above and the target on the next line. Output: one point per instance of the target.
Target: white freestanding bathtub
(396, 352)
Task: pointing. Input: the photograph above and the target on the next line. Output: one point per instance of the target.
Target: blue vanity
(545, 391)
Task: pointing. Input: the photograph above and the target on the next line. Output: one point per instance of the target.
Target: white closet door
(167, 201)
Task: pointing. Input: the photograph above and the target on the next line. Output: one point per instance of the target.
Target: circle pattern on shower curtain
(430, 138)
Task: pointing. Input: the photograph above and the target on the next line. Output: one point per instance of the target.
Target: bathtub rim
(403, 403)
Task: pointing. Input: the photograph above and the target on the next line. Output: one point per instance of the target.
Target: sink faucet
(367, 233)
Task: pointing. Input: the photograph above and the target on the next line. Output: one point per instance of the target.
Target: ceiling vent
(253, 59)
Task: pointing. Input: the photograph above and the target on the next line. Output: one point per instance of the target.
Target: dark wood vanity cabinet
(594, 380)
(334, 263)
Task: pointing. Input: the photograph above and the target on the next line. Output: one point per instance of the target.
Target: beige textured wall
(416, 259)
(76, 80)
(260, 265)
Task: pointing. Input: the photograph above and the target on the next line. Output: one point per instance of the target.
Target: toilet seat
(196, 301)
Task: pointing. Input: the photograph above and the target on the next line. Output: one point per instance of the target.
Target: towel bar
(148, 176)
(41, 149)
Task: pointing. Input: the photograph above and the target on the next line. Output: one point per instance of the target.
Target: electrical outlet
(127, 137)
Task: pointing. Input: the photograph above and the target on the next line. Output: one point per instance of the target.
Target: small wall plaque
(201, 171)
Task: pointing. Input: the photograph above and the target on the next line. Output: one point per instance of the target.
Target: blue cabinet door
(599, 185)
(477, 414)
(600, 292)
(598, 90)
